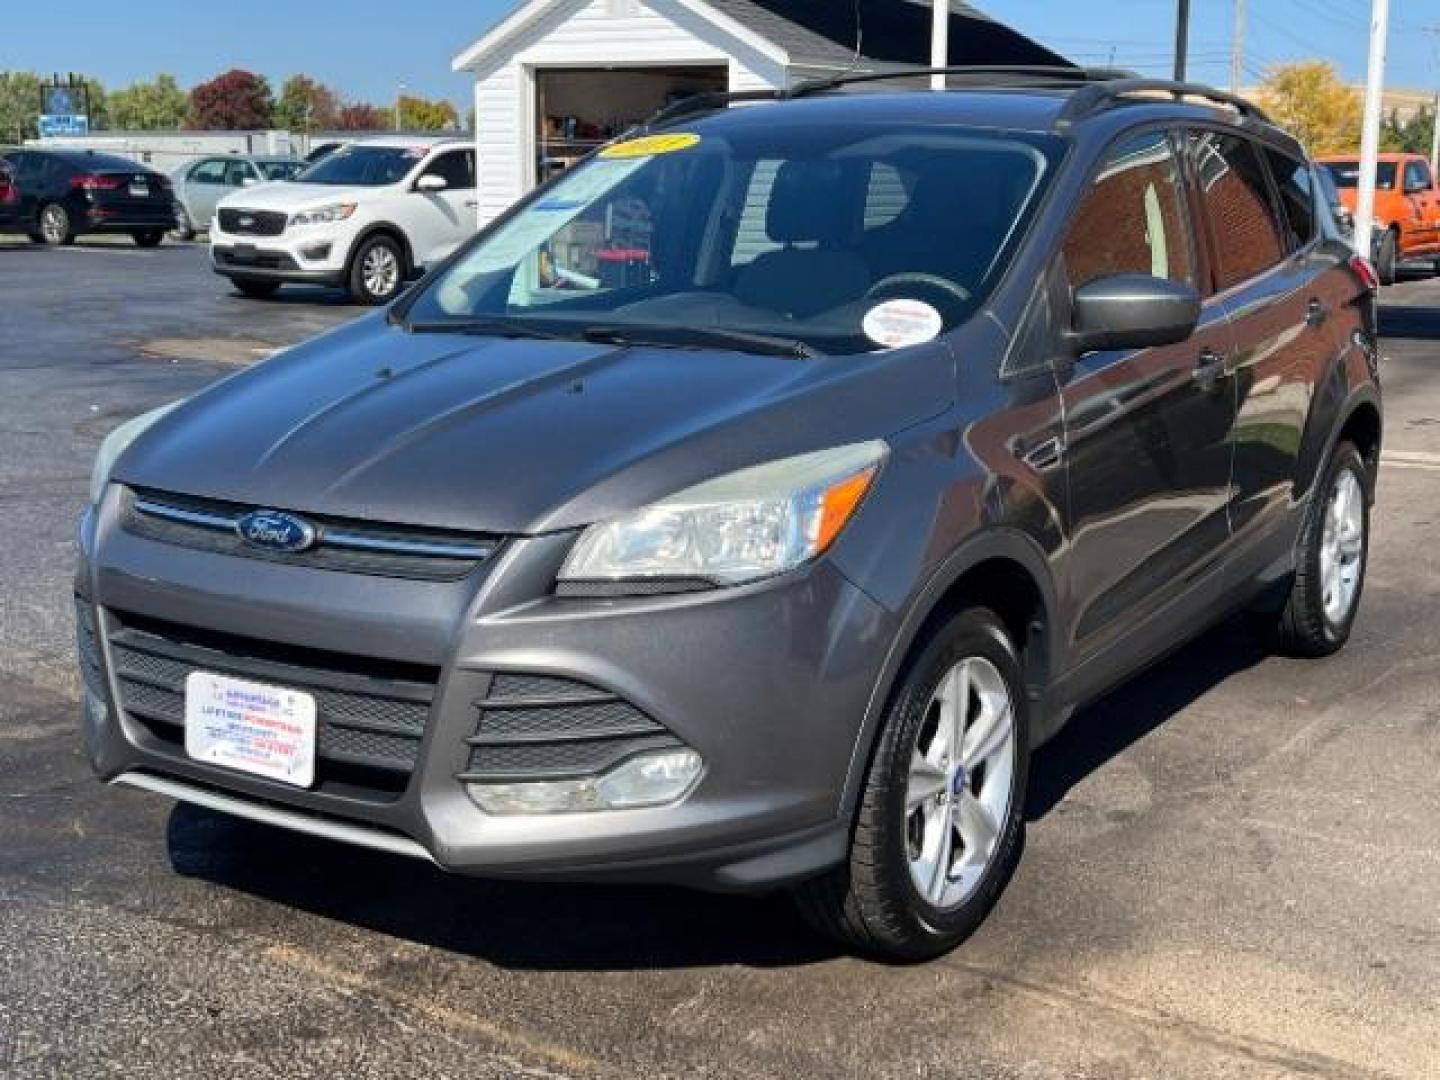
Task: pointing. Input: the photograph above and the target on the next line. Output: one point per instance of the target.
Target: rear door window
(1248, 235)
(1132, 220)
(1296, 189)
(208, 172)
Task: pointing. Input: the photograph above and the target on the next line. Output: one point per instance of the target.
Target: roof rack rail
(984, 74)
(1094, 96)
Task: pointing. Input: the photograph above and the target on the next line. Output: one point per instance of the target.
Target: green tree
(422, 114)
(20, 104)
(148, 106)
(307, 105)
(1413, 135)
(1309, 99)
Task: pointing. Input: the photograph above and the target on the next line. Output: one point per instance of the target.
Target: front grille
(371, 714)
(252, 222)
(539, 727)
(359, 547)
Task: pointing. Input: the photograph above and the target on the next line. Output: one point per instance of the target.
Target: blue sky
(365, 48)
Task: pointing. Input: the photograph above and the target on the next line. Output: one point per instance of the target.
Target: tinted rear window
(1248, 236)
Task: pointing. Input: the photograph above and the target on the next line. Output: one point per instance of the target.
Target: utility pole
(399, 104)
(1182, 38)
(1370, 133)
(1237, 48)
(940, 42)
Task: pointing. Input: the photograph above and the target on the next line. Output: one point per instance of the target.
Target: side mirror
(1131, 311)
(430, 182)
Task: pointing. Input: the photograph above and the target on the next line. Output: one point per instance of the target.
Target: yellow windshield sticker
(650, 145)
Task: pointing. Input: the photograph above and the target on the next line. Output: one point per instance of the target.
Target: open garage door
(577, 109)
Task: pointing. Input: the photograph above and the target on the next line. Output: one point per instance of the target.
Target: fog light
(653, 779)
(316, 251)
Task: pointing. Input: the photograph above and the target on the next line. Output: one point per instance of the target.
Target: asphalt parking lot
(1233, 866)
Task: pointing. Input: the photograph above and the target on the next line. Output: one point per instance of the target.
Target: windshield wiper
(703, 337)
(484, 327)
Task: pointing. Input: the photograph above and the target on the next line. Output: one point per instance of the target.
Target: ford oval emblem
(276, 530)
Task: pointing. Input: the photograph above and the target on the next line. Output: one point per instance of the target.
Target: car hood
(513, 435)
(275, 195)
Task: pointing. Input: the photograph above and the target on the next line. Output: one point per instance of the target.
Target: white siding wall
(583, 33)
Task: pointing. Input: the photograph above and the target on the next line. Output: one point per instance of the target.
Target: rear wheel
(377, 271)
(941, 819)
(149, 238)
(56, 228)
(1330, 562)
(1387, 258)
(257, 290)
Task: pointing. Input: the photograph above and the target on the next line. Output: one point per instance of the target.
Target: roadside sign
(52, 125)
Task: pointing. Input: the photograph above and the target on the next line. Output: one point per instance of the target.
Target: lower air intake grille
(538, 727)
(88, 646)
(371, 713)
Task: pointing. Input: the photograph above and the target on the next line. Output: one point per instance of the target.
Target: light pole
(399, 104)
(1370, 133)
(940, 42)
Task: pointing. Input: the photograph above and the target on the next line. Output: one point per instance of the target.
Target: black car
(68, 193)
(742, 508)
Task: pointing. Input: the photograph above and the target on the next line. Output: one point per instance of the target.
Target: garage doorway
(578, 109)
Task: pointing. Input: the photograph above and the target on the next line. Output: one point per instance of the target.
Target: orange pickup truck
(1407, 208)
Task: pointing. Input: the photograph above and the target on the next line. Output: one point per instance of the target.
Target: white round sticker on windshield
(902, 322)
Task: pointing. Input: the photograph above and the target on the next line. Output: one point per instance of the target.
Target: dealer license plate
(250, 726)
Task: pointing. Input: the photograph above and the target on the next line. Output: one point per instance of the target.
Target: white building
(558, 77)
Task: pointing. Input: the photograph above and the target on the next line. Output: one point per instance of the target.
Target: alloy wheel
(54, 224)
(957, 796)
(1342, 548)
(380, 271)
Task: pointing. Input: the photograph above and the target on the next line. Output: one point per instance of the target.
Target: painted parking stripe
(1411, 459)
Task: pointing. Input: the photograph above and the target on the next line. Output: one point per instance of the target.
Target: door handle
(1316, 312)
(1209, 369)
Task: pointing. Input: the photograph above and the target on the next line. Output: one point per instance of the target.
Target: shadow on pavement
(548, 926)
(1127, 714)
(565, 926)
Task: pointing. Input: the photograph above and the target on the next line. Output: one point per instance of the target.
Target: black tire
(1387, 258)
(184, 229)
(149, 238)
(256, 290)
(360, 284)
(870, 902)
(55, 227)
(1303, 627)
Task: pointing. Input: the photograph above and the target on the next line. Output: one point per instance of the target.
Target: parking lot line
(1411, 459)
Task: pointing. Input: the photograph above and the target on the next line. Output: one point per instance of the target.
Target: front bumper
(768, 683)
(309, 256)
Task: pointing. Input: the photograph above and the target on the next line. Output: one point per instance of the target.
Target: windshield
(1347, 173)
(796, 233)
(363, 166)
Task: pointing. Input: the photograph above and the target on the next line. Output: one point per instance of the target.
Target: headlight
(741, 527)
(323, 215)
(114, 444)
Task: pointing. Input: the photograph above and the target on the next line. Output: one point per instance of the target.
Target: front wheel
(149, 238)
(184, 228)
(1331, 559)
(941, 819)
(377, 272)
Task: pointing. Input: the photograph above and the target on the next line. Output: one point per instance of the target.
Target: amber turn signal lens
(838, 506)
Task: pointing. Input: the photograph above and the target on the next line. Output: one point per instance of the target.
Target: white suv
(364, 218)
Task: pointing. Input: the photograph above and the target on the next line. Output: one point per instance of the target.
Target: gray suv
(743, 507)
